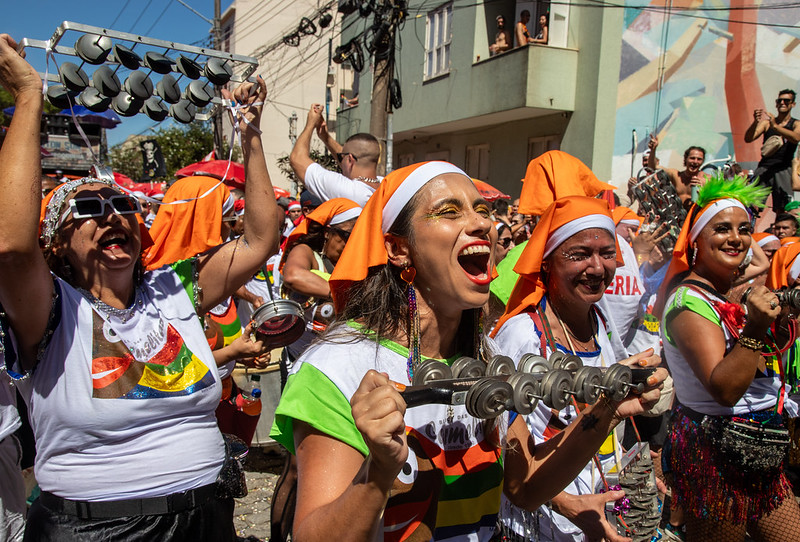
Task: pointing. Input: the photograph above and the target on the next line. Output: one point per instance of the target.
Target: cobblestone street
(251, 514)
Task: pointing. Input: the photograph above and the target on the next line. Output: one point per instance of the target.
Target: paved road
(251, 514)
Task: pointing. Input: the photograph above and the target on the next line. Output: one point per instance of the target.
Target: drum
(279, 322)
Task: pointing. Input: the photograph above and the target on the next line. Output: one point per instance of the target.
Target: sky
(160, 19)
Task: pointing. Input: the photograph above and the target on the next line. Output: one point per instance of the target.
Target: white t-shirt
(621, 299)
(518, 337)
(327, 184)
(126, 410)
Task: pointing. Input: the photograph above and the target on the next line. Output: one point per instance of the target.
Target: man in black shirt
(775, 168)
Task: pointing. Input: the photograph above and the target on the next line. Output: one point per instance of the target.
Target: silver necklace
(369, 180)
(123, 315)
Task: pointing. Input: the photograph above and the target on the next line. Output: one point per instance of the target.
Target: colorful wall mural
(718, 60)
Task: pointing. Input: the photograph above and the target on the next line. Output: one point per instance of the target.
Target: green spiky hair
(718, 187)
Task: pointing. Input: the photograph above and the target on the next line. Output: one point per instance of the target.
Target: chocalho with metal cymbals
(489, 389)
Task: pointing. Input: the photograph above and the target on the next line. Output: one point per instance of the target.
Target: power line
(119, 14)
(139, 18)
(166, 7)
(190, 8)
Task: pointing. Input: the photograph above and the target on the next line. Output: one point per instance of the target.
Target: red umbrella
(216, 169)
(281, 192)
(123, 180)
(489, 192)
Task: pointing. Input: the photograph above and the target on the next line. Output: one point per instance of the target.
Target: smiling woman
(409, 287)
(112, 359)
(728, 379)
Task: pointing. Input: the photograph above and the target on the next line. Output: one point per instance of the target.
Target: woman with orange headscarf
(111, 359)
(565, 268)
(409, 287)
(728, 392)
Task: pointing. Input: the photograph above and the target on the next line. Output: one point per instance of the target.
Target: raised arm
(300, 157)
(225, 268)
(26, 287)
(333, 146)
(757, 127)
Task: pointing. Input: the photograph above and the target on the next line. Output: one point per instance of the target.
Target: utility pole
(218, 111)
(382, 74)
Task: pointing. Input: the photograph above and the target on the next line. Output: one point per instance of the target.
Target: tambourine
(279, 322)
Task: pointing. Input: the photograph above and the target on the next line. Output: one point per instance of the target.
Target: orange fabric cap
(321, 215)
(759, 235)
(184, 230)
(365, 248)
(530, 287)
(555, 175)
(623, 213)
(782, 262)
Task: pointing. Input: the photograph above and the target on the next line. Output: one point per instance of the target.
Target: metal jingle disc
(58, 96)
(92, 48)
(92, 100)
(466, 367)
(569, 363)
(555, 357)
(184, 111)
(218, 71)
(500, 365)
(587, 384)
(126, 57)
(106, 81)
(199, 93)
(138, 85)
(431, 370)
(526, 391)
(156, 109)
(489, 398)
(157, 62)
(74, 78)
(615, 380)
(533, 364)
(188, 67)
(554, 388)
(126, 105)
(168, 90)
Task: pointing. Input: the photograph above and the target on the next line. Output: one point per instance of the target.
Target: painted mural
(694, 71)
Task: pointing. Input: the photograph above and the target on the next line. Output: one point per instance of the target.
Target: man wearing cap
(502, 40)
(358, 158)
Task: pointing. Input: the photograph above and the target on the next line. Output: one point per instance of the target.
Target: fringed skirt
(709, 486)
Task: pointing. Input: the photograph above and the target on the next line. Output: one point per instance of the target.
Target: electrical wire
(139, 18)
(161, 15)
(119, 14)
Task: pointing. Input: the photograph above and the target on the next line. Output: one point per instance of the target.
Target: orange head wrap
(365, 248)
(561, 220)
(785, 267)
(53, 206)
(696, 220)
(555, 175)
(762, 238)
(623, 214)
(333, 211)
(184, 230)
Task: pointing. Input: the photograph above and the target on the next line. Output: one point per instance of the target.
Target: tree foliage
(180, 145)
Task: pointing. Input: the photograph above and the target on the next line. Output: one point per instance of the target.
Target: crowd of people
(121, 335)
